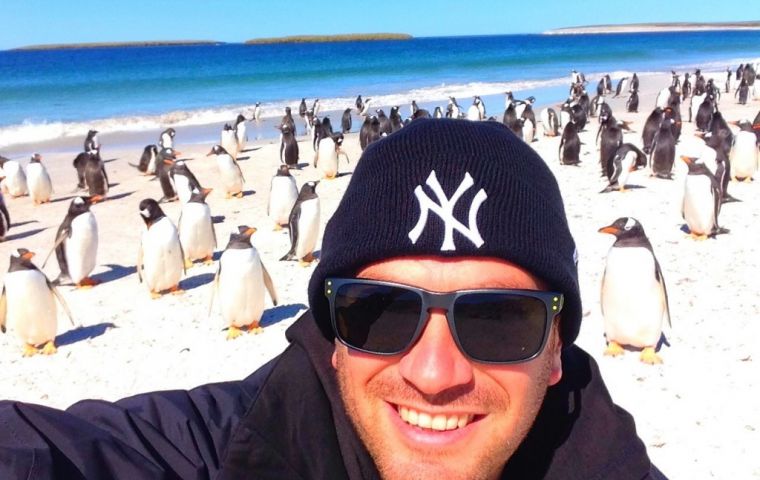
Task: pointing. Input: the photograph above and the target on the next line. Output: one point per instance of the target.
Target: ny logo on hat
(445, 209)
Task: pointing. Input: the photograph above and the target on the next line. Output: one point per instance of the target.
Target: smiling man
(439, 345)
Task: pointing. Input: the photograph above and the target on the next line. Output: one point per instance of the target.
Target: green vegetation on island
(655, 27)
(157, 43)
(348, 37)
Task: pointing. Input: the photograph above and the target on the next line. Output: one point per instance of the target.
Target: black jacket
(286, 421)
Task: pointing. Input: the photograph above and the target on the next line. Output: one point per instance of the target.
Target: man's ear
(555, 351)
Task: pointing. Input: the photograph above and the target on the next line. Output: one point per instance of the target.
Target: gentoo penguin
(385, 122)
(183, 179)
(705, 113)
(579, 117)
(625, 160)
(611, 140)
(316, 107)
(651, 125)
(27, 305)
(728, 79)
(76, 243)
(413, 108)
(196, 230)
(565, 115)
(632, 104)
(528, 114)
(15, 179)
(742, 92)
(240, 135)
(147, 163)
(328, 152)
(476, 111)
(570, 145)
(686, 86)
(288, 146)
(38, 180)
(662, 98)
(396, 122)
(257, 112)
(95, 176)
(550, 122)
(375, 133)
(453, 110)
(283, 193)
(634, 297)
(365, 107)
(359, 104)
(160, 259)
(663, 151)
(304, 225)
(364, 132)
(701, 201)
(438, 112)
(510, 118)
(166, 139)
(695, 100)
(79, 163)
(164, 161)
(345, 121)
(239, 285)
(302, 108)
(673, 114)
(287, 119)
(5, 217)
(622, 86)
(230, 172)
(599, 107)
(528, 129)
(634, 86)
(91, 141)
(744, 154)
(228, 140)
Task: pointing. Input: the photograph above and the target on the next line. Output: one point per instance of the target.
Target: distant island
(158, 43)
(348, 37)
(655, 27)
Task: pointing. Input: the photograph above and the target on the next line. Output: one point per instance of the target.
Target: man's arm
(168, 435)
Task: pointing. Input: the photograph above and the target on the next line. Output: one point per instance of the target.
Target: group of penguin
(27, 302)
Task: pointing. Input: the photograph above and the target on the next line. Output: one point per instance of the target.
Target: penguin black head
(171, 132)
(82, 204)
(283, 171)
(21, 259)
(242, 239)
(168, 155)
(36, 158)
(240, 118)
(227, 127)
(695, 166)
(199, 196)
(150, 211)
(217, 150)
(308, 190)
(625, 228)
(287, 110)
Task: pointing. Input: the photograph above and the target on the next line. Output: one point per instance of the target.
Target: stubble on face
(366, 407)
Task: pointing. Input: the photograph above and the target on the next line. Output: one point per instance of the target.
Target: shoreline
(135, 44)
(654, 27)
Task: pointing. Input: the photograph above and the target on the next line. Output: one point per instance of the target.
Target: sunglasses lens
(376, 318)
(500, 327)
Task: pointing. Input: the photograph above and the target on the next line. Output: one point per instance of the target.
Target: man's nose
(435, 363)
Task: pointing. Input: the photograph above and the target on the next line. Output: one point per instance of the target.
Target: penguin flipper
(3, 308)
(140, 263)
(240, 171)
(4, 211)
(61, 300)
(661, 281)
(213, 233)
(295, 215)
(63, 234)
(214, 287)
(269, 284)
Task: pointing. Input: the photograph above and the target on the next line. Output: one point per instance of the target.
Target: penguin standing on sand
(550, 122)
(328, 155)
(634, 87)
(686, 86)
(239, 285)
(346, 120)
(438, 112)
(626, 159)
(79, 163)
(385, 122)
(453, 110)
(288, 146)
(95, 176)
(634, 297)
(230, 172)
(304, 225)
(302, 108)
(38, 180)
(15, 179)
(228, 141)
(396, 122)
(27, 305)
(160, 259)
(701, 201)
(744, 154)
(147, 163)
(240, 134)
(621, 86)
(257, 112)
(5, 216)
(184, 181)
(570, 145)
(76, 244)
(166, 139)
(364, 132)
(196, 230)
(165, 160)
(632, 104)
(742, 91)
(663, 151)
(91, 142)
(283, 194)
(359, 104)
(651, 125)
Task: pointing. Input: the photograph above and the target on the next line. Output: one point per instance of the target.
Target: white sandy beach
(697, 413)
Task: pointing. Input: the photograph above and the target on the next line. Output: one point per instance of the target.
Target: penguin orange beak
(210, 153)
(688, 160)
(28, 255)
(206, 191)
(250, 231)
(95, 199)
(609, 229)
(168, 161)
(734, 123)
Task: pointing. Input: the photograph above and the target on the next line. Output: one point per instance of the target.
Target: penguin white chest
(229, 142)
(308, 227)
(38, 181)
(82, 248)
(162, 256)
(240, 136)
(31, 309)
(241, 287)
(196, 231)
(328, 158)
(151, 164)
(282, 198)
(167, 141)
(15, 178)
(633, 301)
(231, 178)
(473, 113)
(744, 155)
(698, 205)
(626, 166)
(182, 186)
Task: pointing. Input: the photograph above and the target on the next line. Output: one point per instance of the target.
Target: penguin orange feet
(649, 356)
(698, 237)
(29, 350)
(613, 349)
(209, 260)
(86, 283)
(238, 195)
(155, 295)
(49, 348)
(188, 264)
(306, 261)
(233, 332)
(255, 328)
(175, 290)
(277, 227)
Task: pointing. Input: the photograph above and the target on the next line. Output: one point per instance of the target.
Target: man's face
(398, 403)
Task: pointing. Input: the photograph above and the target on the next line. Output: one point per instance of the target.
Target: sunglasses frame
(553, 301)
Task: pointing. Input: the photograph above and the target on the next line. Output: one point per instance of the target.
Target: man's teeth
(438, 422)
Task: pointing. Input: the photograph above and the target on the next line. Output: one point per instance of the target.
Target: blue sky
(26, 22)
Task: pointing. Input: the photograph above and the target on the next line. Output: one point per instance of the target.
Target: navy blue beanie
(508, 206)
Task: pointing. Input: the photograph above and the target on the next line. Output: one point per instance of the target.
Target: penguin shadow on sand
(83, 333)
(279, 313)
(248, 150)
(243, 159)
(248, 193)
(118, 196)
(343, 174)
(114, 272)
(21, 224)
(66, 198)
(196, 281)
(217, 219)
(628, 186)
(28, 233)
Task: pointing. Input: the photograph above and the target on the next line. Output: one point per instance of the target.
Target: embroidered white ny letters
(445, 209)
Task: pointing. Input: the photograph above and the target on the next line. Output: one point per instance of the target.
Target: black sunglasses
(488, 325)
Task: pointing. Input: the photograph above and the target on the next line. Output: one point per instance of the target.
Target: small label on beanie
(445, 210)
